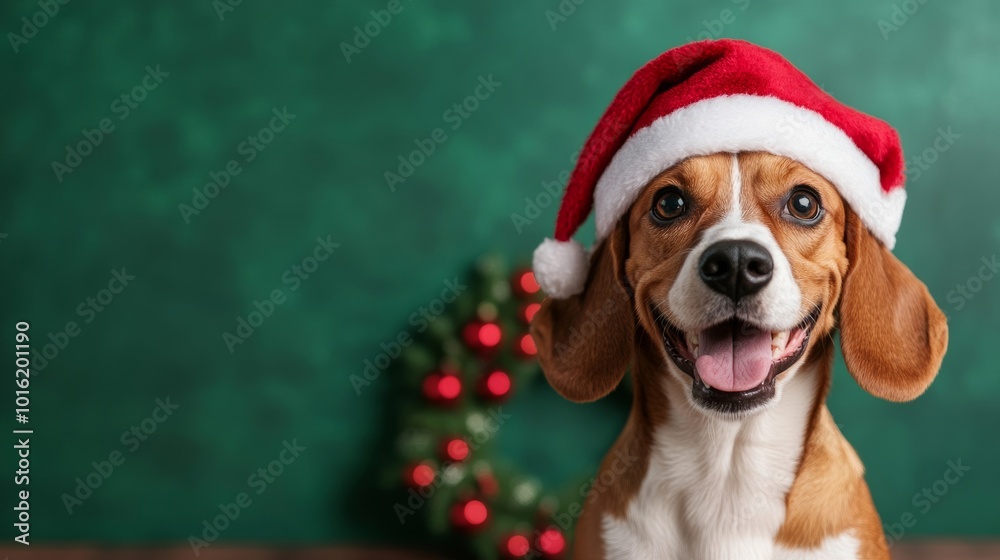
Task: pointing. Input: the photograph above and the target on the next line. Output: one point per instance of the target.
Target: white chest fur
(715, 489)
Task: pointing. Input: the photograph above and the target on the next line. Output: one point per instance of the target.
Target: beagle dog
(721, 288)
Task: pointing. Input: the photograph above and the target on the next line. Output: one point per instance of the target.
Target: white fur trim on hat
(561, 267)
(736, 123)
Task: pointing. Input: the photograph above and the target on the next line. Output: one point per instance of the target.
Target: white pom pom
(561, 267)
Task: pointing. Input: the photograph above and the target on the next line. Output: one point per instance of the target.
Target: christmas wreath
(455, 377)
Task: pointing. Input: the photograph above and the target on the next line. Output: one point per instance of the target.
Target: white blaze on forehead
(736, 180)
(695, 306)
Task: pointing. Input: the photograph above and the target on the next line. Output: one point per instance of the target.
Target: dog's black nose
(736, 268)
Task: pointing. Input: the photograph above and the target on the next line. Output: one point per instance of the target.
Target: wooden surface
(945, 550)
(937, 550)
(185, 553)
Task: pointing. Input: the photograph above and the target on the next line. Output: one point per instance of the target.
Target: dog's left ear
(893, 335)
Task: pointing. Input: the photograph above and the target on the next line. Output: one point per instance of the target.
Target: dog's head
(734, 267)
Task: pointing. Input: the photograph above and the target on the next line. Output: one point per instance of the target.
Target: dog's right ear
(585, 341)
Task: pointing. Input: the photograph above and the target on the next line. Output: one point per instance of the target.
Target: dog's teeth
(779, 341)
(693, 344)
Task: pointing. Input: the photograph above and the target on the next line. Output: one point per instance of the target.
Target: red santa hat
(720, 96)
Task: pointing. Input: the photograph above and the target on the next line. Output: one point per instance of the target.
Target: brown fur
(893, 335)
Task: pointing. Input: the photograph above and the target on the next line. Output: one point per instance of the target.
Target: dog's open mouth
(734, 364)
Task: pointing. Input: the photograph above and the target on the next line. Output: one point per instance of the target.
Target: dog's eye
(804, 204)
(668, 205)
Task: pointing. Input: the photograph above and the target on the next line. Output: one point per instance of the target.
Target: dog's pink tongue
(733, 357)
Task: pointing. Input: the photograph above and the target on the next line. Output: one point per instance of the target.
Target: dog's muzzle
(734, 364)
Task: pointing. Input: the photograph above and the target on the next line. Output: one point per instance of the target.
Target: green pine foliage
(517, 502)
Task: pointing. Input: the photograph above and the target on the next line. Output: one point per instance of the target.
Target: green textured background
(323, 175)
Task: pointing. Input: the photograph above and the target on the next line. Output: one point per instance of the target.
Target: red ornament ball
(526, 346)
(529, 310)
(551, 542)
(442, 387)
(449, 387)
(470, 515)
(483, 336)
(420, 475)
(455, 450)
(516, 546)
(489, 335)
(496, 385)
(525, 284)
